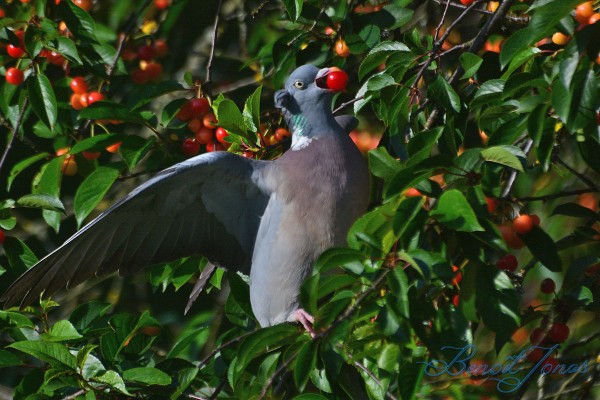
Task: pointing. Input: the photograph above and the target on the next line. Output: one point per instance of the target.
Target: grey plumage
(269, 218)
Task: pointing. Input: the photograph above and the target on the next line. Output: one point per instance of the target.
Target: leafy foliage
(466, 130)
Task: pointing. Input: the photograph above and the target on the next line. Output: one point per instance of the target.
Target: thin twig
(558, 195)
(352, 309)
(346, 104)
(513, 173)
(520, 19)
(581, 343)
(224, 345)
(213, 44)
(275, 374)
(442, 20)
(15, 130)
(579, 175)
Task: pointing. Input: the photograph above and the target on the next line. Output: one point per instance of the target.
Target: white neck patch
(300, 142)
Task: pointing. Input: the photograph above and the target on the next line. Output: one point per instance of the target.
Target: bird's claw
(307, 320)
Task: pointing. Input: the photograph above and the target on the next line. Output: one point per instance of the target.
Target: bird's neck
(319, 124)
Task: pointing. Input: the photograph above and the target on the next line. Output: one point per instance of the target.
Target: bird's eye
(299, 85)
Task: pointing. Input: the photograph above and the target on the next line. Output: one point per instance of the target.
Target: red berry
(467, 2)
(2, 13)
(194, 125)
(146, 53)
(160, 48)
(87, 5)
(221, 134)
(55, 58)
(559, 332)
(455, 300)
(78, 85)
(199, 106)
(510, 237)
(507, 263)
(547, 286)
(523, 224)
(281, 133)
(247, 154)
(190, 147)
(535, 219)
(210, 121)
(584, 11)
(93, 97)
(204, 135)
(152, 69)
(537, 337)
(14, 51)
(162, 4)
(91, 155)
(140, 77)
(76, 101)
(113, 148)
(492, 204)
(594, 18)
(185, 112)
(14, 76)
(337, 80)
(535, 355)
(2, 236)
(214, 146)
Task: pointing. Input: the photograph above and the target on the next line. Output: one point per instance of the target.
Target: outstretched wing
(208, 205)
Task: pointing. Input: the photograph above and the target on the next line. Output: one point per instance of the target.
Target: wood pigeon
(269, 218)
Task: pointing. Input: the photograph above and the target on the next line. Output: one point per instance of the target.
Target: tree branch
(15, 130)
(514, 18)
(558, 195)
(213, 44)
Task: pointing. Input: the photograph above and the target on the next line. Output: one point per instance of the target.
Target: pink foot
(305, 319)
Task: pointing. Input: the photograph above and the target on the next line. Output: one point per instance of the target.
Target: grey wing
(208, 205)
(347, 122)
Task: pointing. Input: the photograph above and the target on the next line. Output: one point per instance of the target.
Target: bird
(269, 219)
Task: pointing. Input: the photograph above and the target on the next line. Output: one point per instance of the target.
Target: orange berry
(584, 11)
(594, 18)
(341, 48)
(523, 224)
(412, 192)
(560, 38)
(210, 121)
(69, 166)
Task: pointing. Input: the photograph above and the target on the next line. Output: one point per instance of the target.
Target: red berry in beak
(337, 80)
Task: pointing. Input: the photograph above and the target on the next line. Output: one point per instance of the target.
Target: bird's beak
(321, 79)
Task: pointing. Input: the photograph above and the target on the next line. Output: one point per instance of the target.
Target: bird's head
(310, 88)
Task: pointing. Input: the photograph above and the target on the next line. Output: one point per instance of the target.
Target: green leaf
(43, 100)
(92, 190)
(504, 155)
(310, 396)
(61, 331)
(293, 8)
(251, 111)
(420, 145)
(378, 54)
(543, 248)
(441, 91)
(49, 184)
(22, 165)
(575, 210)
(262, 341)
(389, 357)
(305, 363)
(144, 94)
(68, 49)
(79, 22)
(410, 377)
(20, 257)
(454, 211)
(55, 354)
(112, 379)
(497, 301)
(470, 63)
(147, 375)
(521, 58)
(378, 82)
(8, 359)
(110, 110)
(230, 117)
(134, 148)
(97, 143)
(43, 201)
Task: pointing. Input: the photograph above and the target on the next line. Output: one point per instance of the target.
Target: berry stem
(14, 131)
